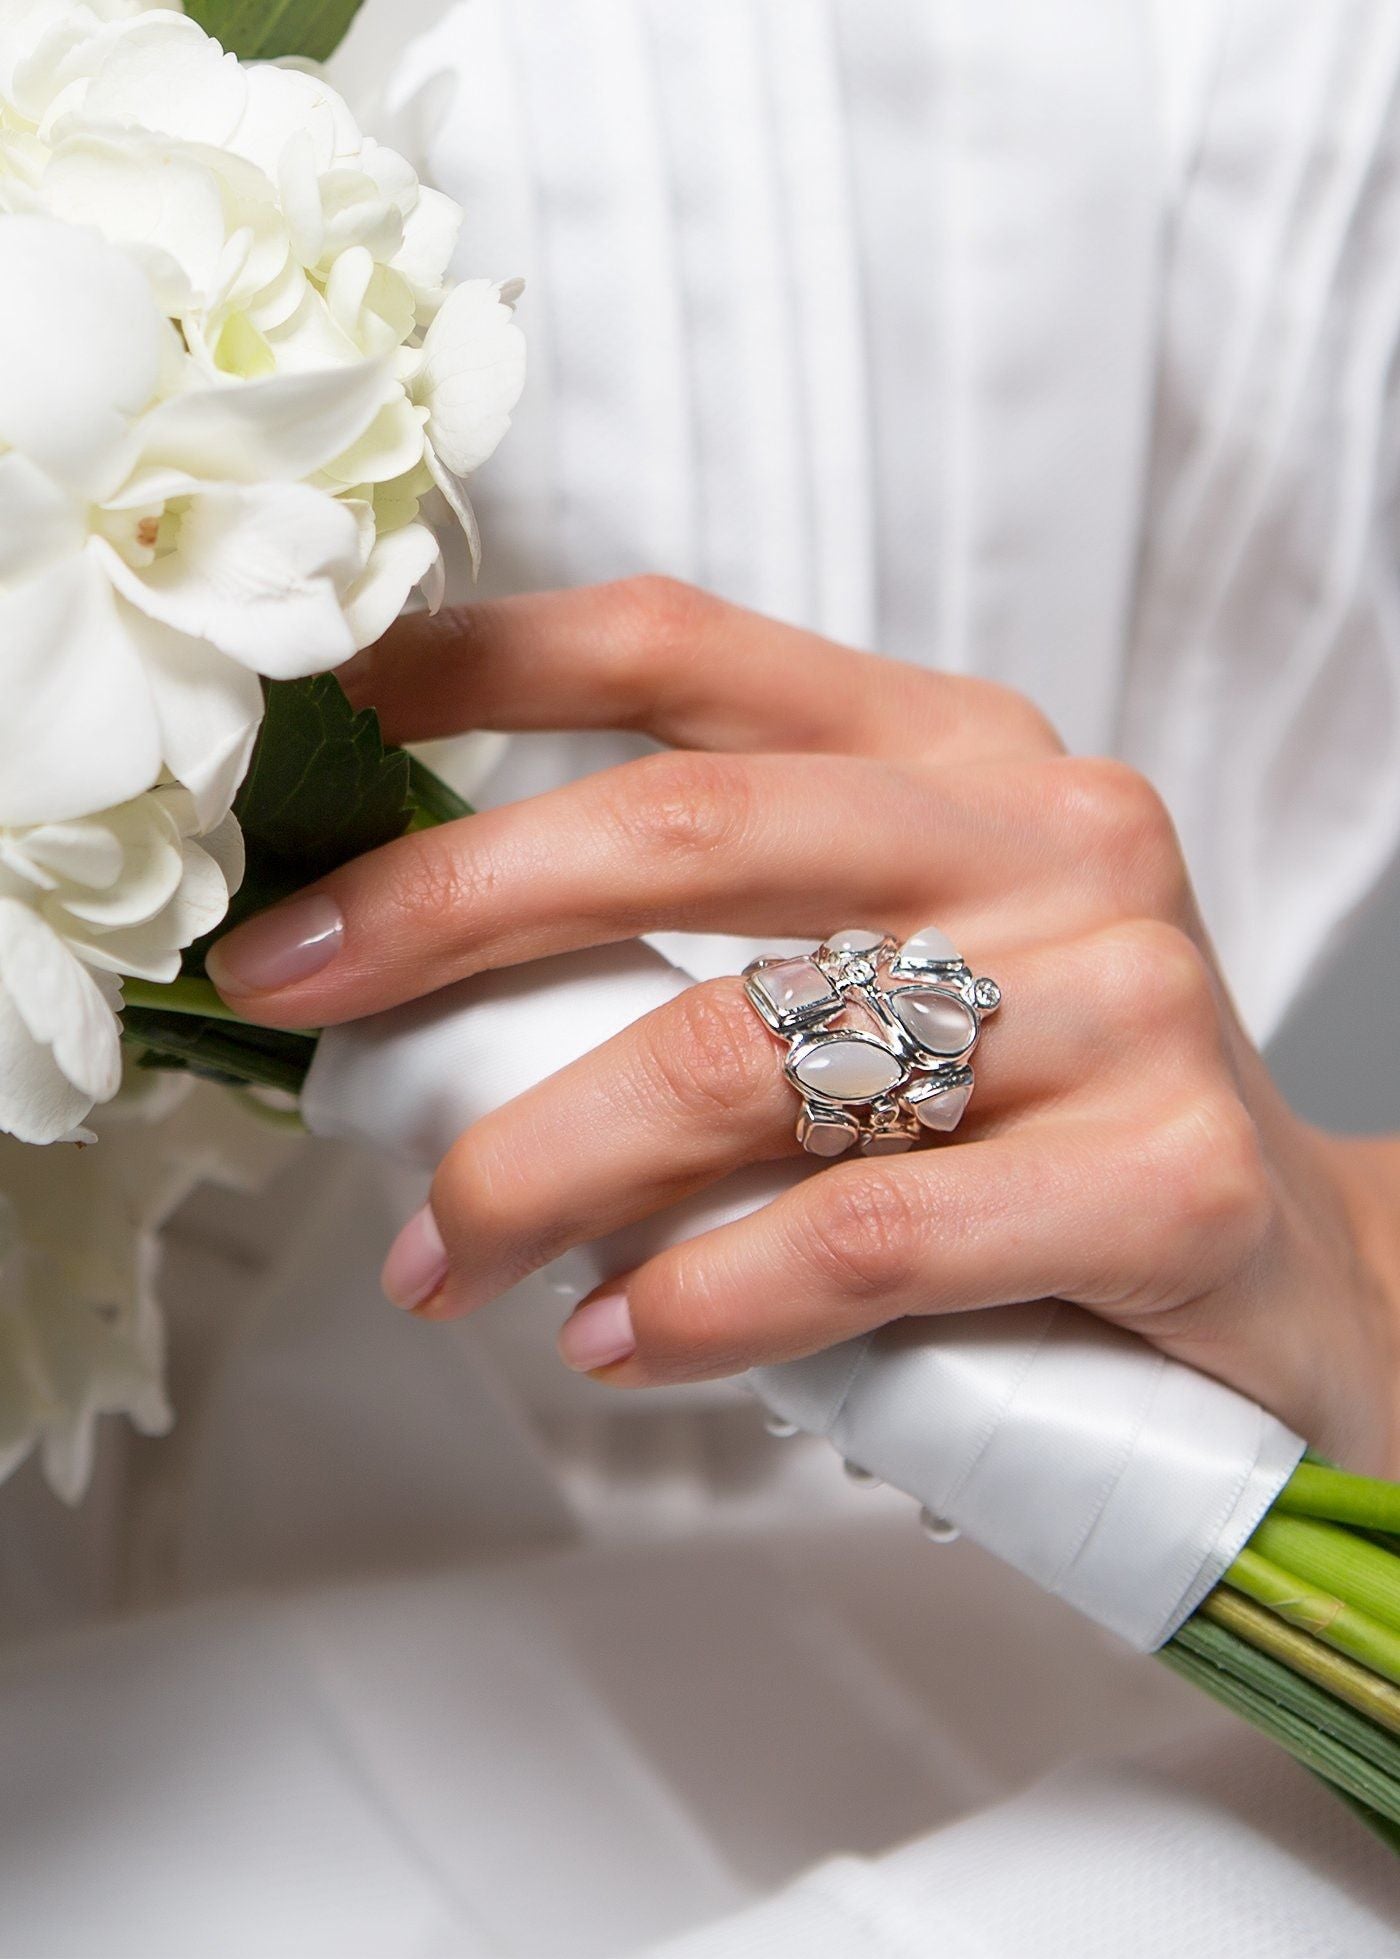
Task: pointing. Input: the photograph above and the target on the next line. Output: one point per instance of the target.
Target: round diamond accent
(987, 994)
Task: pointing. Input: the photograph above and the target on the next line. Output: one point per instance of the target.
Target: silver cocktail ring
(879, 1036)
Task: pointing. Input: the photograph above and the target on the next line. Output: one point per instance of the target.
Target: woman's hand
(1125, 1149)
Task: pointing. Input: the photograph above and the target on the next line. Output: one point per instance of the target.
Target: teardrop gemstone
(846, 1070)
(939, 1023)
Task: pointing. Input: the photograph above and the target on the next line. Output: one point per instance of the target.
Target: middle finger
(682, 842)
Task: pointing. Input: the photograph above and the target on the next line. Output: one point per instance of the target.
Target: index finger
(661, 658)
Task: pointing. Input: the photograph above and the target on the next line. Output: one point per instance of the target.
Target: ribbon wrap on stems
(1123, 1481)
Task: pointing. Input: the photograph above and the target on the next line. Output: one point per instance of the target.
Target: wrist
(1365, 1171)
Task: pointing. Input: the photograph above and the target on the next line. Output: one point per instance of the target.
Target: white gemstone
(987, 994)
(886, 1142)
(847, 1070)
(826, 1135)
(854, 938)
(930, 947)
(943, 1111)
(792, 986)
(939, 1023)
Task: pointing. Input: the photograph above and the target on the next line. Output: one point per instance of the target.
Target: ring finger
(695, 1090)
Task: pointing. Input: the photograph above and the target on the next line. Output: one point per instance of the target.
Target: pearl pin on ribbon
(879, 1036)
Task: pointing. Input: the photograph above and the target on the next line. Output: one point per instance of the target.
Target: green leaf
(322, 787)
(258, 30)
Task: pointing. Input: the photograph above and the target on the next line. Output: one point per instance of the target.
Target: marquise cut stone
(847, 1070)
(929, 947)
(939, 1023)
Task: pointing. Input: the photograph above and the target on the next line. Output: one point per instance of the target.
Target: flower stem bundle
(1302, 1636)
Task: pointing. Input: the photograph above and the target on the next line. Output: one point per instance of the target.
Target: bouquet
(239, 395)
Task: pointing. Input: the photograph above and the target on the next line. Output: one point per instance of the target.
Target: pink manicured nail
(279, 947)
(417, 1262)
(598, 1334)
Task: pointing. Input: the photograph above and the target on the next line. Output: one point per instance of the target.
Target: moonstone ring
(879, 1036)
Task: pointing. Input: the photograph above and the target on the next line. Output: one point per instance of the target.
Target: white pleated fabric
(1053, 343)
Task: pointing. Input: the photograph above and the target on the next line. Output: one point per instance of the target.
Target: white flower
(82, 902)
(281, 241)
(81, 1333)
(157, 548)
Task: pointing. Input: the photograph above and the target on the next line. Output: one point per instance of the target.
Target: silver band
(879, 1036)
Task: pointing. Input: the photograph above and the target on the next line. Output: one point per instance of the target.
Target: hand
(1125, 1148)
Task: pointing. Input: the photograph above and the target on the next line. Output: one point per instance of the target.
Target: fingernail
(417, 1262)
(279, 947)
(598, 1334)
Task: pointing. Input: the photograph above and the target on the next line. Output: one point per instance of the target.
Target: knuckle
(1212, 1178)
(708, 1052)
(485, 1205)
(863, 1235)
(1154, 978)
(436, 878)
(679, 805)
(656, 616)
(688, 1328)
(1116, 814)
(1012, 718)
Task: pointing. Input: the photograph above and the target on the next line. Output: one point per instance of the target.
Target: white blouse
(1052, 343)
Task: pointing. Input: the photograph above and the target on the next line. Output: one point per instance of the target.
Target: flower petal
(78, 732)
(82, 347)
(149, 195)
(399, 561)
(278, 430)
(38, 1103)
(472, 373)
(258, 572)
(208, 709)
(164, 72)
(63, 1008)
(38, 521)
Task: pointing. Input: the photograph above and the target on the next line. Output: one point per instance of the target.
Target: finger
(690, 842)
(1130, 1219)
(695, 1091)
(652, 655)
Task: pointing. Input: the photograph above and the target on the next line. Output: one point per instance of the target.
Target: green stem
(1331, 1619)
(1315, 1490)
(1308, 1657)
(434, 801)
(1319, 1749)
(1336, 1559)
(235, 1055)
(179, 996)
(1278, 1685)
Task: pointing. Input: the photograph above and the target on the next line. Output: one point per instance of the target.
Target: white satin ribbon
(1123, 1481)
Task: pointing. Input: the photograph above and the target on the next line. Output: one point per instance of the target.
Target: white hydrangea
(281, 241)
(232, 366)
(81, 902)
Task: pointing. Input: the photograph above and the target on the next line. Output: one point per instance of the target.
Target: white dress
(1054, 344)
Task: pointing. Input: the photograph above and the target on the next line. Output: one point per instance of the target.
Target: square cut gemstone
(793, 991)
